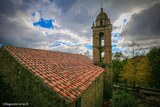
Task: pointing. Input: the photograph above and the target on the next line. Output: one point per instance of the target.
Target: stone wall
(93, 96)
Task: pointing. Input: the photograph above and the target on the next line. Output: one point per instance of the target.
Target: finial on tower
(101, 3)
(101, 6)
(101, 9)
(93, 24)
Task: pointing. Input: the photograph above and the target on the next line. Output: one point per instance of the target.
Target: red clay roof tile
(67, 74)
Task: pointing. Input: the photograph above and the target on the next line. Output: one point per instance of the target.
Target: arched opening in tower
(101, 39)
(101, 22)
(102, 55)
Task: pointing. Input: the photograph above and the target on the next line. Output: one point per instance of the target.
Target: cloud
(64, 5)
(60, 23)
(117, 7)
(144, 26)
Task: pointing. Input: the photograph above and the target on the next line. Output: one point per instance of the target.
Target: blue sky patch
(44, 23)
(114, 45)
(58, 43)
(115, 40)
(89, 47)
(115, 34)
(116, 50)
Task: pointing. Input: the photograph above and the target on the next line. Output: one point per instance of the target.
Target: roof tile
(67, 74)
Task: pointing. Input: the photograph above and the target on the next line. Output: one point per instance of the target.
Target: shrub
(122, 98)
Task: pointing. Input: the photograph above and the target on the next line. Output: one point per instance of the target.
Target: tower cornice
(108, 27)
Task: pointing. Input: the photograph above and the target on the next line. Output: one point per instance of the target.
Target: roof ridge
(43, 50)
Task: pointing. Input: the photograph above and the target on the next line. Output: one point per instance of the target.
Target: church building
(44, 78)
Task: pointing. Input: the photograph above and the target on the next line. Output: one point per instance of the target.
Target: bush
(5, 91)
(122, 98)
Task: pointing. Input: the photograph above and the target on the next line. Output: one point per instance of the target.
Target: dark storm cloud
(85, 12)
(116, 7)
(11, 7)
(64, 5)
(82, 16)
(144, 25)
(6, 7)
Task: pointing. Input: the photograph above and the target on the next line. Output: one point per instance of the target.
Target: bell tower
(102, 47)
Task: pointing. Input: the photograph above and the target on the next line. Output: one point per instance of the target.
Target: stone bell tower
(102, 47)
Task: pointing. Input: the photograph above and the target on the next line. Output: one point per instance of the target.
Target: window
(102, 55)
(101, 44)
(101, 39)
(101, 22)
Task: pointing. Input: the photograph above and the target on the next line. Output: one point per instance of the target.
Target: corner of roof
(4, 47)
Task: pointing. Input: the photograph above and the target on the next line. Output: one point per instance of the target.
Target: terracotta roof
(67, 74)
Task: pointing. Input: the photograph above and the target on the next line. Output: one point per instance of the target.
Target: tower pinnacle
(101, 4)
(101, 9)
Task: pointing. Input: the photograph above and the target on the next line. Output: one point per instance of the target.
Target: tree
(136, 71)
(135, 53)
(118, 56)
(117, 66)
(154, 63)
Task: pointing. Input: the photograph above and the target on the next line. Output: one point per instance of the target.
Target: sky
(65, 25)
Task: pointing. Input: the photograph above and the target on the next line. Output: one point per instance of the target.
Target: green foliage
(118, 56)
(154, 62)
(103, 65)
(117, 66)
(5, 91)
(25, 87)
(122, 98)
(136, 71)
